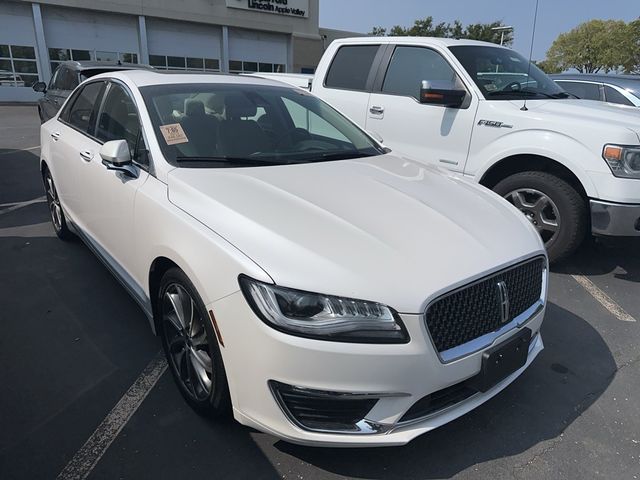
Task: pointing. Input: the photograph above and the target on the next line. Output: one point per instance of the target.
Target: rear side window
(614, 96)
(587, 91)
(83, 108)
(411, 65)
(351, 66)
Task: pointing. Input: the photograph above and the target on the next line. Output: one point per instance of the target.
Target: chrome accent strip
(484, 341)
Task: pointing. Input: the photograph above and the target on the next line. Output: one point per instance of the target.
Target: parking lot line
(94, 448)
(20, 150)
(604, 299)
(15, 206)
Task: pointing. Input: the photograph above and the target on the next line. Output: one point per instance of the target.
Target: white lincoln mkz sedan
(300, 274)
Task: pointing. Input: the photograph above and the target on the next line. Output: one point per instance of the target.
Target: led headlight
(624, 161)
(324, 317)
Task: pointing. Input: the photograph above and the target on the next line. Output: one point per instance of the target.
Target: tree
(548, 66)
(426, 28)
(597, 45)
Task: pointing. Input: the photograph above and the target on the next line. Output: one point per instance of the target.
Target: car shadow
(561, 384)
(599, 256)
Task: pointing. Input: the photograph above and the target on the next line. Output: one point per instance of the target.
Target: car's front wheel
(553, 206)
(191, 346)
(55, 208)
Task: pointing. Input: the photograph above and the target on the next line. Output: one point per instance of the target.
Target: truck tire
(554, 207)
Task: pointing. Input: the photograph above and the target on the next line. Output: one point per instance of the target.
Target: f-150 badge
(493, 123)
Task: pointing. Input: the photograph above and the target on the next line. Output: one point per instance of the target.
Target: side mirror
(116, 156)
(441, 96)
(40, 87)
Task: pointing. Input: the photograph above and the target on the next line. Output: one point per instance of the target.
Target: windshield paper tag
(173, 134)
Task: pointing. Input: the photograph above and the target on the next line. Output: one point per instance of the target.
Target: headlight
(624, 161)
(324, 317)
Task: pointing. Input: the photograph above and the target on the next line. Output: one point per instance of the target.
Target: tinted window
(67, 79)
(119, 118)
(613, 96)
(52, 82)
(411, 65)
(587, 91)
(83, 107)
(350, 67)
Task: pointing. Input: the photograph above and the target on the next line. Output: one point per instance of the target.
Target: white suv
(326, 289)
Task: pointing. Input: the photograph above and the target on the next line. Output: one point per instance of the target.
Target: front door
(427, 133)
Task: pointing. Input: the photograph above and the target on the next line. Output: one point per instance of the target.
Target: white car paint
(386, 229)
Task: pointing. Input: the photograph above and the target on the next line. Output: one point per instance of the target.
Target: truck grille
(479, 308)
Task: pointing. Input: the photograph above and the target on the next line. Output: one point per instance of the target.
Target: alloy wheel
(53, 202)
(539, 209)
(187, 344)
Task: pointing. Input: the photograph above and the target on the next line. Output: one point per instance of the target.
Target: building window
(194, 64)
(237, 66)
(57, 55)
(18, 66)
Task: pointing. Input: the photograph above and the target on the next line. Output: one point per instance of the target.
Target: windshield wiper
(526, 92)
(326, 157)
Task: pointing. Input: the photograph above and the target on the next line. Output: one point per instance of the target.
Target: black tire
(189, 372)
(570, 205)
(58, 220)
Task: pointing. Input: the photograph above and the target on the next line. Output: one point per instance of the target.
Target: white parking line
(15, 206)
(85, 459)
(604, 299)
(20, 150)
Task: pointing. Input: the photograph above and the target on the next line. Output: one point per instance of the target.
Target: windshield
(227, 125)
(502, 74)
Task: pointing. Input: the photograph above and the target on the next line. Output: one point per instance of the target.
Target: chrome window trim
(486, 340)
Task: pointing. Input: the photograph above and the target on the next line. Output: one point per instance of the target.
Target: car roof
(94, 65)
(144, 78)
(630, 82)
(434, 41)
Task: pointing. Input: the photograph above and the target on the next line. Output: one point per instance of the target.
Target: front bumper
(615, 219)
(402, 374)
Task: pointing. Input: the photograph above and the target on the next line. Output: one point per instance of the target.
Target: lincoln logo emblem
(503, 295)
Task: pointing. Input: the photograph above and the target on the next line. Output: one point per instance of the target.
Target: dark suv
(68, 76)
(622, 89)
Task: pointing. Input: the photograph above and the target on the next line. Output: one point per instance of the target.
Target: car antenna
(533, 36)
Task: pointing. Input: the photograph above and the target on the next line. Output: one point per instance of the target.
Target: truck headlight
(323, 317)
(624, 161)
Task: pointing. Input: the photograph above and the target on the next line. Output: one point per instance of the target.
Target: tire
(190, 344)
(56, 213)
(545, 198)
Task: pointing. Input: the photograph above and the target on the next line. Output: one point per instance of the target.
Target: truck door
(428, 133)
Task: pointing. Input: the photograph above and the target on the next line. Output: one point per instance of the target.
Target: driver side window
(311, 122)
(409, 66)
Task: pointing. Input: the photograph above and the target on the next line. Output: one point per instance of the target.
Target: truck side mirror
(441, 96)
(40, 87)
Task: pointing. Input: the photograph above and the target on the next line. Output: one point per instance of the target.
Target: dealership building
(199, 35)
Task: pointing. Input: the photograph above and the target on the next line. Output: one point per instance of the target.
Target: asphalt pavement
(72, 342)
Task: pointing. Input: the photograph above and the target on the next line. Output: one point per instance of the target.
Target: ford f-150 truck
(571, 166)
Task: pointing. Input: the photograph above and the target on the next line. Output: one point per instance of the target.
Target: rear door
(349, 79)
(428, 133)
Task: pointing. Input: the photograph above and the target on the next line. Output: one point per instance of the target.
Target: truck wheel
(554, 207)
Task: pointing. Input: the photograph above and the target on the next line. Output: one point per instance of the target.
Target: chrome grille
(479, 308)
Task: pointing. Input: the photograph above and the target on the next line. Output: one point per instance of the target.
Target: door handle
(376, 110)
(86, 155)
(55, 136)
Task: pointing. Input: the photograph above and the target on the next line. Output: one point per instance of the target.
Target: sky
(554, 16)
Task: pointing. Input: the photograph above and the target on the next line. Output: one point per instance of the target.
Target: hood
(601, 115)
(384, 228)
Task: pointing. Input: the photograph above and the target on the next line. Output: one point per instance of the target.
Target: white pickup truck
(480, 110)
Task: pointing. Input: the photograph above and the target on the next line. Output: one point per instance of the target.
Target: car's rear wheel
(555, 208)
(55, 208)
(191, 346)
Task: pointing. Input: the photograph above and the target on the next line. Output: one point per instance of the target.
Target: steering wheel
(512, 87)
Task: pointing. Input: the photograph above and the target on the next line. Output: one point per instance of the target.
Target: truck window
(614, 96)
(351, 66)
(411, 65)
(587, 91)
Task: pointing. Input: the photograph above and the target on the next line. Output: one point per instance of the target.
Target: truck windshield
(216, 125)
(502, 74)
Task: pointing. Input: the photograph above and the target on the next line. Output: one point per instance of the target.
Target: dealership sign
(296, 8)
